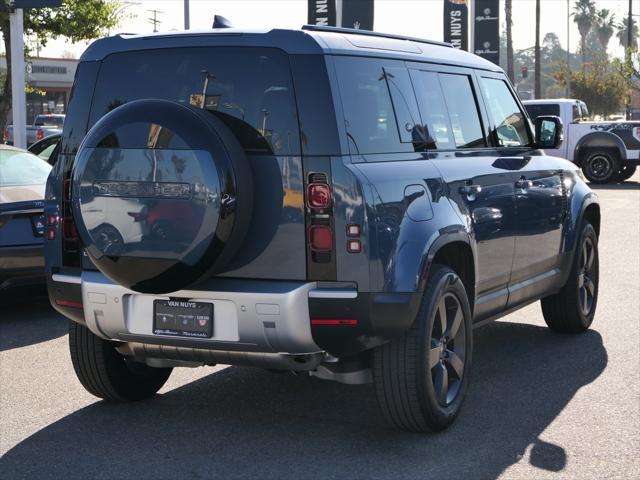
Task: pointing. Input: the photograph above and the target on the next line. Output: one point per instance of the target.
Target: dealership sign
(456, 23)
(487, 30)
(322, 12)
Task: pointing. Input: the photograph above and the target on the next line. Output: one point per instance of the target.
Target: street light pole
(18, 98)
(186, 15)
(567, 91)
(629, 59)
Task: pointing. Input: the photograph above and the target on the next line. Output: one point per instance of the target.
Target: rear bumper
(22, 265)
(252, 316)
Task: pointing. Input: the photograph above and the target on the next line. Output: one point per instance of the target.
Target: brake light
(40, 134)
(320, 238)
(318, 195)
(334, 321)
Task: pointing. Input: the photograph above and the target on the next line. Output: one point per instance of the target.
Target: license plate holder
(183, 318)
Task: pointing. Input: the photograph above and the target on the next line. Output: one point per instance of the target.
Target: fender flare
(447, 236)
(599, 139)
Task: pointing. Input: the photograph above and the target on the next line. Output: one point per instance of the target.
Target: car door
(539, 192)
(479, 186)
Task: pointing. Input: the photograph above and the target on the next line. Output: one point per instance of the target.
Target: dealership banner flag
(356, 14)
(322, 12)
(456, 23)
(487, 30)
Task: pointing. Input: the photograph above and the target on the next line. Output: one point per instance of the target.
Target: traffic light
(525, 72)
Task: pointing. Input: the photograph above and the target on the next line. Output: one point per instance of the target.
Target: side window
(433, 110)
(463, 110)
(404, 103)
(576, 116)
(509, 123)
(585, 111)
(368, 110)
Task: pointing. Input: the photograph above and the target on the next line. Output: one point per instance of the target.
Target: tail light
(71, 242)
(39, 134)
(319, 218)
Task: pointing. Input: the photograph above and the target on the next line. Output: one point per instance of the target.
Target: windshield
(55, 120)
(22, 168)
(536, 110)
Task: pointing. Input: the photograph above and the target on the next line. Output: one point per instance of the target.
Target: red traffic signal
(525, 72)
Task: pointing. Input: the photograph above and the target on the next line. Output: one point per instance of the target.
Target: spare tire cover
(161, 195)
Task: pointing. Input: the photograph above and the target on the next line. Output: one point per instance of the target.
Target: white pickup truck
(606, 151)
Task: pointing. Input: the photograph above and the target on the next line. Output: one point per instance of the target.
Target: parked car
(22, 222)
(606, 151)
(44, 148)
(354, 204)
(43, 126)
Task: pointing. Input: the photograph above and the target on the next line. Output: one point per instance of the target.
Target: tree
(508, 9)
(605, 21)
(584, 12)
(623, 34)
(601, 85)
(76, 20)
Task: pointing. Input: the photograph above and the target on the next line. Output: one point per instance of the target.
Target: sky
(420, 18)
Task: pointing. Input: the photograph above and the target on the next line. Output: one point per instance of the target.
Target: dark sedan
(22, 223)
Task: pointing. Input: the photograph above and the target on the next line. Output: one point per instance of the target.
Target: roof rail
(369, 33)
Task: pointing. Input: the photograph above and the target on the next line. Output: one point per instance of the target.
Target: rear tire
(422, 377)
(625, 173)
(601, 166)
(106, 373)
(572, 309)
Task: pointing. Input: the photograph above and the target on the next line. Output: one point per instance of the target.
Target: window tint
(463, 111)
(404, 103)
(433, 110)
(247, 88)
(508, 121)
(538, 109)
(368, 111)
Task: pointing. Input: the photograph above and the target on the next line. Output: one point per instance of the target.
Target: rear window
(249, 89)
(55, 120)
(540, 109)
(22, 168)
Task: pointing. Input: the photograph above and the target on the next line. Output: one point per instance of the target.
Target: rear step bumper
(249, 316)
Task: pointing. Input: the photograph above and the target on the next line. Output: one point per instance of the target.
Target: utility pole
(154, 21)
(567, 91)
(186, 15)
(18, 98)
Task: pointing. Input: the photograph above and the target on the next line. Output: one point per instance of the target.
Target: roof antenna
(220, 22)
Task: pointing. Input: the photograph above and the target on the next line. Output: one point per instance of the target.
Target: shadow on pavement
(616, 186)
(27, 320)
(250, 423)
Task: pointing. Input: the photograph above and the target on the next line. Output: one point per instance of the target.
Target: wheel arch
(598, 140)
(455, 251)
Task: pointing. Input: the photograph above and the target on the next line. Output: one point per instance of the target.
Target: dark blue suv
(331, 201)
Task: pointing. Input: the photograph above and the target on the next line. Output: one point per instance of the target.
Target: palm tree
(623, 35)
(605, 21)
(584, 13)
(508, 8)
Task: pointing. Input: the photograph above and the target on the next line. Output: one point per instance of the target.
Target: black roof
(307, 41)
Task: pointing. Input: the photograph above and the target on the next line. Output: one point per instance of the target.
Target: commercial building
(50, 81)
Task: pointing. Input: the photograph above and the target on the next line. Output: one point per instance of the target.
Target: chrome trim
(57, 277)
(332, 293)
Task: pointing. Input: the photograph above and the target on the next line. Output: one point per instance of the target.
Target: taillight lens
(320, 238)
(318, 195)
(40, 135)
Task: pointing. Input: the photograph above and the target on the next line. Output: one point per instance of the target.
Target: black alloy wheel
(448, 349)
(600, 167)
(586, 285)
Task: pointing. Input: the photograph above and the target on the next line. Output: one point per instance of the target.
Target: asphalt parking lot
(540, 405)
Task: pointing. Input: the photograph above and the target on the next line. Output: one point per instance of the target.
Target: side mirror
(549, 131)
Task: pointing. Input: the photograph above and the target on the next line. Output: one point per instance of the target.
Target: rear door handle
(471, 191)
